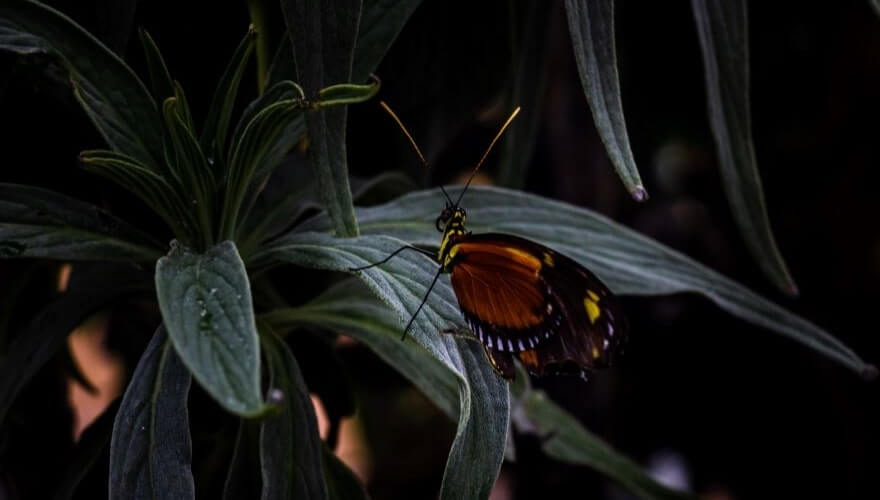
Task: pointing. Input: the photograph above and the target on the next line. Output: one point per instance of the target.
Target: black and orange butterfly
(521, 299)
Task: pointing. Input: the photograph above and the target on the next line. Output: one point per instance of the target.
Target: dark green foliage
(243, 336)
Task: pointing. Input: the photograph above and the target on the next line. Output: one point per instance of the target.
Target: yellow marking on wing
(548, 259)
(592, 309)
(596, 352)
(593, 296)
(524, 257)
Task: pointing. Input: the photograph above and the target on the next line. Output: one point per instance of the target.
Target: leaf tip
(639, 193)
(869, 372)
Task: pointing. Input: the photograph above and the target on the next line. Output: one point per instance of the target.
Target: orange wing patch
(499, 284)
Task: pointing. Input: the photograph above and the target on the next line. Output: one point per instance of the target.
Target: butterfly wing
(524, 300)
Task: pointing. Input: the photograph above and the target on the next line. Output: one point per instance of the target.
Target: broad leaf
(290, 447)
(591, 24)
(628, 262)
(36, 222)
(323, 33)
(151, 451)
(563, 438)
(483, 396)
(206, 305)
(110, 93)
(723, 30)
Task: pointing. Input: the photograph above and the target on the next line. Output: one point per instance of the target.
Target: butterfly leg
(386, 259)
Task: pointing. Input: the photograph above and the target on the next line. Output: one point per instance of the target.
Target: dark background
(750, 414)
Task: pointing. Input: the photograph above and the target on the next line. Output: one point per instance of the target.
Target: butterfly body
(524, 300)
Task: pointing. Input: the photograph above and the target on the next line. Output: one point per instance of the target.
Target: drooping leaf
(36, 222)
(290, 447)
(244, 475)
(591, 25)
(151, 450)
(565, 439)
(323, 34)
(483, 398)
(206, 305)
(723, 30)
(47, 334)
(626, 261)
(214, 133)
(111, 94)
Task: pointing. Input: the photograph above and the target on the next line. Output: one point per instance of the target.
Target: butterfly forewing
(524, 300)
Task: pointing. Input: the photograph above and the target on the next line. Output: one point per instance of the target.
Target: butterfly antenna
(412, 141)
(488, 150)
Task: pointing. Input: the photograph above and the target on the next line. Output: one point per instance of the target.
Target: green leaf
(213, 139)
(483, 398)
(92, 443)
(36, 222)
(160, 78)
(346, 93)
(591, 24)
(151, 450)
(563, 438)
(626, 261)
(350, 307)
(111, 94)
(47, 334)
(206, 305)
(290, 447)
(528, 84)
(144, 183)
(323, 33)
(723, 30)
(264, 142)
(381, 22)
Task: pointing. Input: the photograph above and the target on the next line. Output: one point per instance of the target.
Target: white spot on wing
(509, 345)
(521, 346)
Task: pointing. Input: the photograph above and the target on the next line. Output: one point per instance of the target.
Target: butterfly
(520, 299)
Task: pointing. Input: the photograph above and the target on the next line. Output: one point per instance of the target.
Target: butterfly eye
(438, 222)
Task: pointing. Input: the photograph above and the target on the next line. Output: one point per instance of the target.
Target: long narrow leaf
(565, 439)
(151, 451)
(214, 133)
(591, 24)
(206, 305)
(290, 447)
(160, 78)
(381, 22)
(36, 222)
(723, 30)
(111, 94)
(323, 33)
(483, 398)
(144, 183)
(627, 261)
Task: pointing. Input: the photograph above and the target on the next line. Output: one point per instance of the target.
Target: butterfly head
(451, 218)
